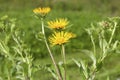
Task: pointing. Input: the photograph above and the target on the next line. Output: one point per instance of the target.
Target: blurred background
(80, 13)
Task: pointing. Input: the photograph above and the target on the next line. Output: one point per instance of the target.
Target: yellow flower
(42, 11)
(58, 23)
(59, 38)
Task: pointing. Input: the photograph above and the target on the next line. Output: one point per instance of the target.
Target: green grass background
(80, 13)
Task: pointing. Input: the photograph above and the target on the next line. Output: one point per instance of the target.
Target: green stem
(92, 76)
(29, 62)
(53, 60)
(93, 43)
(64, 60)
(102, 45)
(29, 72)
(8, 76)
(110, 40)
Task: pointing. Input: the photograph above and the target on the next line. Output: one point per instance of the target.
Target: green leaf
(91, 55)
(77, 63)
(88, 31)
(102, 43)
(52, 72)
(4, 49)
(85, 68)
(108, 78)
(115, 45)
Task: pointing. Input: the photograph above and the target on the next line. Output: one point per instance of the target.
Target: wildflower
(59, 38)
(58, 23)
(42, 11)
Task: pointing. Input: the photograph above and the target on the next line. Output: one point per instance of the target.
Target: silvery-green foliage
(15, 56)
(103, 42)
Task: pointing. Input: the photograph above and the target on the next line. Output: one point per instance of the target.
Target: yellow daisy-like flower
(59, 38)
(58, 23)
(42, 11)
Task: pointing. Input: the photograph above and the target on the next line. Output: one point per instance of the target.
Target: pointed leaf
(91, 55)
(77, 63)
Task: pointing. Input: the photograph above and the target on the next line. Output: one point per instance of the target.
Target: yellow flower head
(58, 23)
(42, 11)
(59, 38)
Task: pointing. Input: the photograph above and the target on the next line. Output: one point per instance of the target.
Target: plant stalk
(64, 60)
(93, 43)
(50, 53)
(115, 25)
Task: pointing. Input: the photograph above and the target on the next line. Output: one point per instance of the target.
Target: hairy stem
(53, 60)
(64, 60)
